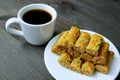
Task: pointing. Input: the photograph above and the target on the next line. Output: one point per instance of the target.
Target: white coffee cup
(35, 34)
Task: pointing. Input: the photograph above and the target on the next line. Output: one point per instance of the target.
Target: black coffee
(37, 16)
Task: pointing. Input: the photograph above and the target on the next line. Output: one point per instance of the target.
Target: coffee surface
(37, 17)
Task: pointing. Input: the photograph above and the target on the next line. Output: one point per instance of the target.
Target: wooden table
(22, 61)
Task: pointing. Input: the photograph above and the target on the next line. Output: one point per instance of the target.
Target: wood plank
(18, 62)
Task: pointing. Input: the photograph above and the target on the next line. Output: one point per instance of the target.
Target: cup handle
(12, 30)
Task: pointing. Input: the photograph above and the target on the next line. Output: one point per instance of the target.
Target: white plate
(61, 73)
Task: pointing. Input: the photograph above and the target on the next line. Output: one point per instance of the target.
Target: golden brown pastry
(94, 45)
(65, 60)
(76, 64)
(86, 57)
(82, 42)
(102, 57)
(71, 39)
(87, 68)
(105, 68)
(72, 36)
(61, 44)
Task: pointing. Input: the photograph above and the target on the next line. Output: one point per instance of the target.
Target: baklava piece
(105, 68)
(102, 57)
(73, 35)
(65, 60)
(71, 39)
(82, 42)
(76, 64)
(87, 68)
(94, 45)
(61, 44)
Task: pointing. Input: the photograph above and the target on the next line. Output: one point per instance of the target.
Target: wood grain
(22, 61)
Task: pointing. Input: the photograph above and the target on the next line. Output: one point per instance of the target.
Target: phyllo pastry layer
(105, 68)
(87, 68)
(82, 42)
(72, 36)
(65, 60)
(102, 56)
(76, 64)
(94, 45)
(61, 44)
